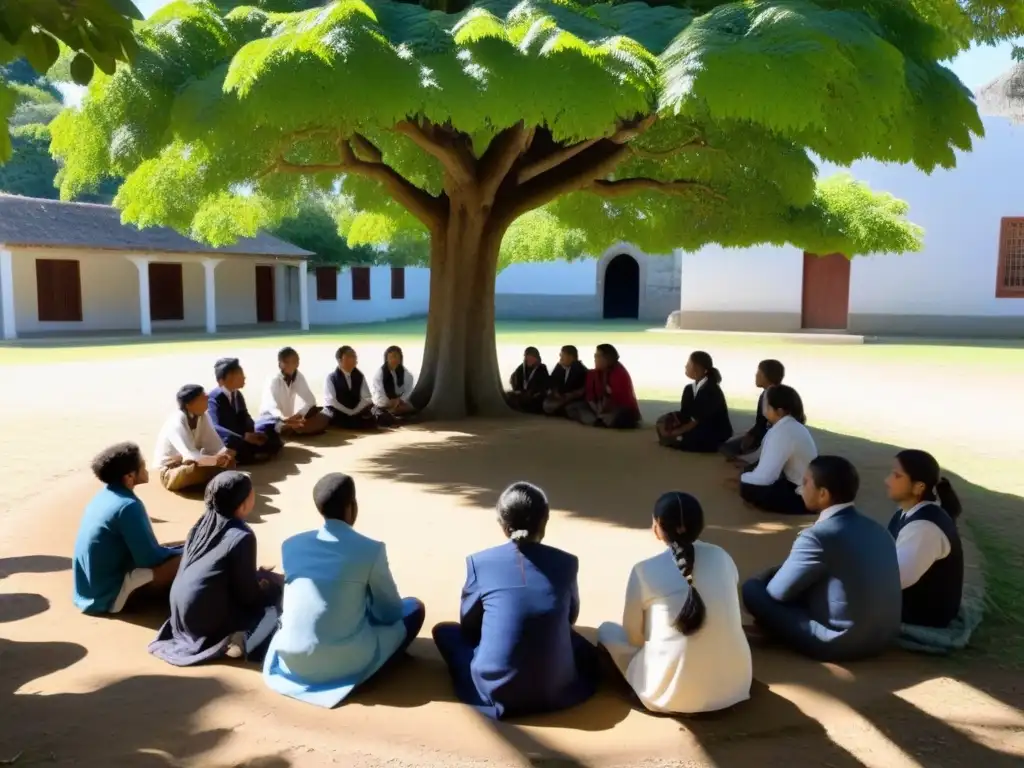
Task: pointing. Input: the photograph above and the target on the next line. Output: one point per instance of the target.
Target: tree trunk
(460, 375)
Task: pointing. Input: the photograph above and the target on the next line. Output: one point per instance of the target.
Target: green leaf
(82, 69)
(40, 49)
(127, 8)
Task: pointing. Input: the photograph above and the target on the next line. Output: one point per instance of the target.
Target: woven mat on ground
(952, 638)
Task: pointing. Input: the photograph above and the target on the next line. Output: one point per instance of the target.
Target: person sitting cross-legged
(283, 389)
(528, 383)
(251, 442)
(701, 425)
(347, 399)
(116, 551)
(189, 452)
(342, 617)
(609, 399)
(515, 652)
(747, 446)
(391, 389)
(568, 382)
(837, 597)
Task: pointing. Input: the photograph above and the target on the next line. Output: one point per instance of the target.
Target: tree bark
(460, 375)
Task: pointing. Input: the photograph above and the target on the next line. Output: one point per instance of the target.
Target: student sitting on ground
(773, 484)
(116, 552)
(189, 452)
(928, 545)
(837, 596)
(568, 382)
(609, 399)
(283, 389)
(745, 447)
(515, 652)
(342, 619)
(391, 389)
(681, 645)
(702, 423)
(529, 383)
(251, 442)
(221, 603)
(347, 400)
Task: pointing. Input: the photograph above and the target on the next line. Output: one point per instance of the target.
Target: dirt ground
(83, 691)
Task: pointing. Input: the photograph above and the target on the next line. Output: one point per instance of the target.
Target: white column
(145, 318)
(210, 281)
(7, 293)
(280, 293)
(304, 294)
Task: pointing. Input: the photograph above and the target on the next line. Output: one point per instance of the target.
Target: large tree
(538, 128)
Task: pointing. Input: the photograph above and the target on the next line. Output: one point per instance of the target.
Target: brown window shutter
(326, 284)
(360, 283)
(1010, 266)
(398, 282)
(166, 291)
(59, 290)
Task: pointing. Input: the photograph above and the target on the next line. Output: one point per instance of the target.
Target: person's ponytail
(691, 616)
(948, 499)
(714, 375)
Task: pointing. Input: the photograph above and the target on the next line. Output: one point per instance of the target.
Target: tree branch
(501, 155)
(549, 161)
(366, 148)
(624, 187)
(455, 158)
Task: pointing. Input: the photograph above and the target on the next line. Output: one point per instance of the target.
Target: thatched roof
(30, 221)
(1004, 96)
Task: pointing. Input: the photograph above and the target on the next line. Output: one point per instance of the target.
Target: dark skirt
(780, 497)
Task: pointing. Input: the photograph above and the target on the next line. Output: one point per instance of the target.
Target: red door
(264, 294)
(826, 295)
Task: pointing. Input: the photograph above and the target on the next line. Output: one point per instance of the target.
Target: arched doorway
(622, 288)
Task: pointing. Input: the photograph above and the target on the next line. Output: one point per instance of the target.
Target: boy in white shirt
(189, 452)
(281, 393)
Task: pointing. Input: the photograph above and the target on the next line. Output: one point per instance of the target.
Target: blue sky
(975, 67)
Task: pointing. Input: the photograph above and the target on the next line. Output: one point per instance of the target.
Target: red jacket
(614, 387)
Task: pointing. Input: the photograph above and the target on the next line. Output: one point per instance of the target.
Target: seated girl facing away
(773, 484)
(701, 425)
(221, 604)
(343, 619)
(681, 646)
(515, 652)
(927, 541)
(609, 399)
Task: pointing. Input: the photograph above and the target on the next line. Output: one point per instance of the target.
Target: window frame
(1004, 291)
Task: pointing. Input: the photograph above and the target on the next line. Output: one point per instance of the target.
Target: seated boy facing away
(251, 442)
(347, 399)
(746, 447)
(189, 452)
(116, 551)
(837, 597)
(283, 389)
(568, 382)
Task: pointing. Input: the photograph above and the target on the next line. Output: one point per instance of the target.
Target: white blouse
(380, 395)
(670, 672)
(919, 545)
(787, 449)
(279, 398)
(179, 442)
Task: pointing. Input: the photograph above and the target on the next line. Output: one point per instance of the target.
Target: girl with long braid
(681, 645)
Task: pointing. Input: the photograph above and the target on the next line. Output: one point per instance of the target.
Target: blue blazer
(518, 608)
(231, 423)
(843, 572)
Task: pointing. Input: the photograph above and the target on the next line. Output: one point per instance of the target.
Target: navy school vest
(347, 396)
(935, 599)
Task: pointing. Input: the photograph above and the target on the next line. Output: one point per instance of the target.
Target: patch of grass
(1001, 634)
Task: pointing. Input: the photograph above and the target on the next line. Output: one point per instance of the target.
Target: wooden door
(166, 291)
(264, 294)
(826, 294)
(58, 290)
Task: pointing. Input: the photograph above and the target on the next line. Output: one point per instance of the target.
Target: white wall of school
(552, 278)
(379, 307)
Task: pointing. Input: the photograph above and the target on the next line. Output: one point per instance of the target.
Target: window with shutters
(326, 284)
(398, 282)
(1010, 267)
(58, 290)
(360, 283)
(166, 291)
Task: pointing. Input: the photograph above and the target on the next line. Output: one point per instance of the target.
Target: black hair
(681, 519)
(921, 467)
(531, 352)
(785, 398)
(111, 464)
(569, 349)
(703, 359)
(523, 511)
(342, 351)
(225, 367)
(837, 476)
(187, 394)
(286, 353)
(333, 494)
(400, 370)
(609, 352)
(773, 370)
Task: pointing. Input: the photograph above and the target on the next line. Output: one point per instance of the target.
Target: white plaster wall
(550, 278)
(236, 291)
(380, 305)
(759, 279)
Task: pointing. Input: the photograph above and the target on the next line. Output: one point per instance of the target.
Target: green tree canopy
(502, 128)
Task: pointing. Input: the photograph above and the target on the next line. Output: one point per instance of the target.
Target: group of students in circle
(334, 617)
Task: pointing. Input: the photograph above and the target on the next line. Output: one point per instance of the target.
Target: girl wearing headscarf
(681, 645)
(529, 383)
(221, 603)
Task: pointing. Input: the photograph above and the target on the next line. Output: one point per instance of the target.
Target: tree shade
(498, 131)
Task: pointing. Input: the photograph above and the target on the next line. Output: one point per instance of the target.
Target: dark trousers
(580, 410)
(364, 420)
(695, 441)
(780, 497)
(526, 402)
(248, 453)
(789, 623)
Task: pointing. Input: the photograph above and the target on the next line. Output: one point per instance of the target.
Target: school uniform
(773, 485)
(515, 653)
(285, 396)
(231, 419)
(528, 388)
(563, 381)
(931, 560)
(734, 448)
(609, 400)
(182, 442)
(702, 402)
(389, 385)
(837, 596)
(347, 400)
